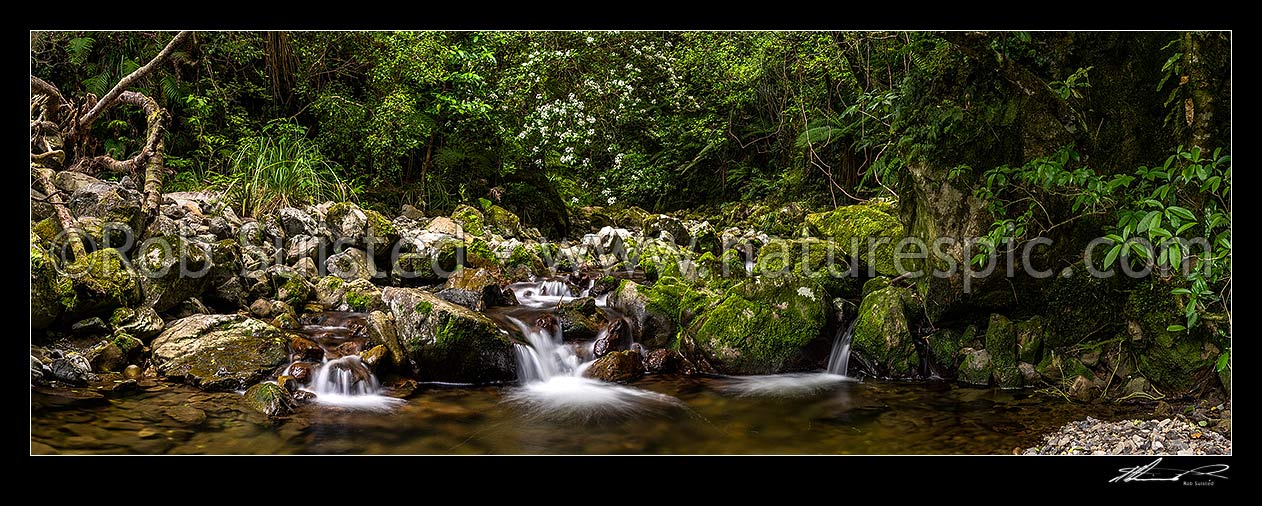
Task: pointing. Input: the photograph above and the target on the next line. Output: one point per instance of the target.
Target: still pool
(787, 414)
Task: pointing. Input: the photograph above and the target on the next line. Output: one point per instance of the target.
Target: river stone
(173, 269)
(449, 342)
(620, 366)
(296, 222)
(351, 264)
(142, 323)
(219, 352)
(761, 326)
(72, 368)
(269, 399)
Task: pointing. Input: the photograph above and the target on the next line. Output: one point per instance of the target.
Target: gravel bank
(1170, 436)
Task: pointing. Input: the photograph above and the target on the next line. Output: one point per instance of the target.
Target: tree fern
(79, 48)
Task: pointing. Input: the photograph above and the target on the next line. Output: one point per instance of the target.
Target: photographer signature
(1151, 472)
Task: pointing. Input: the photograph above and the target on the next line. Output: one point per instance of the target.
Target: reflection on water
(798, 414)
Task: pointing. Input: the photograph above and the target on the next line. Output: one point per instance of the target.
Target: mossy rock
(103, 281)
(448, 342)
(219, 352)
(469, 218)
(504, 221)
(823, 261)
(295, 291)
(763, 325)
(478, 254)
(1060, 369)
(883, 336)
(854, 226)
(1030, 340)
(944, 347)
(733, 264)
(1001, 343)
(173, 270)
(976, 368)
(661, 259)
(269, 398)
(52, 293)
(654, 311)
(1172, 360)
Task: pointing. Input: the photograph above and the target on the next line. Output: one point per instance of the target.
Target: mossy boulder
(1001, 343)
(448, 342)
(855, 227)
(763, 325)
(823, 261)
(882, 336)
(1030, 340)
(351, 264)
(294, 291)
(619, 367)
(269, 398)
(52, 293)
(478, 254)
(469, 218)
(944, 347)
(1172, 360)
(173, 269)
(142, 322)
(660, 226)
(975, 368)
(336, 294)
(654, 311)
(102, 281)
(1059, 369)
(219, 352)
(504, 222)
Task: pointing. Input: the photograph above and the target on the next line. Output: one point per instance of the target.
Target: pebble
(1167, 436)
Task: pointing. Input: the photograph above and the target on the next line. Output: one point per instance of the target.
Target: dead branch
(66, 219)
(116, 93)
(156, 118)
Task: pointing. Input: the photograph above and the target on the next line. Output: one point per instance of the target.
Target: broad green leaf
(1176, 328)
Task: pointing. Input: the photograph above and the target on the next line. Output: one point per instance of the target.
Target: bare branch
(122, 85)
(156, 118)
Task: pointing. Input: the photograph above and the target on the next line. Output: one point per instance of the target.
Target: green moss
(295, 291)
(676, 299)
(504, 220)
(125, 342)
(423, 307)
(104, 278)
(853, 227)
(380, 226)
(478, 254)
(882, 333)
(122, 316)
(1170, 360)
(521, 256)
(944, 346)
(875, 284)
(357, 301)
(823, 261)
(732, 263)
(762, 325)
(470, 219)
(1001, 343)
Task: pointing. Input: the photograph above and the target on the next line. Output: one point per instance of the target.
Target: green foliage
(279, 169)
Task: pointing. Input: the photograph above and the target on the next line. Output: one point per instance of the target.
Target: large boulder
(882, 336)
(1174, 361)
(102, 281)
(470, 219)
(336, 294)
(219, 352)
(173, 269)
(654, 314)
(827, 262)
(361, 228)
(351, 264)
(448, 342)
(855, 228)
(111, 202)
(297, 222)
(763, 325)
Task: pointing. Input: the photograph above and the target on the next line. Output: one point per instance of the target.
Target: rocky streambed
(200, 296)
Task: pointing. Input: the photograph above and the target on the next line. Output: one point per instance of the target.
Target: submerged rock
(449, 342)
(617, 367)
(219, 352)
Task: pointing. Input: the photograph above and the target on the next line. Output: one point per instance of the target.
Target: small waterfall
(839, 359)
(345, 376)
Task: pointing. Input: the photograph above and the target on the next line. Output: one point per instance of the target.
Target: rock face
(763, 325)
(882, 336)
(448, 342)
(618, 367)
(219, 352)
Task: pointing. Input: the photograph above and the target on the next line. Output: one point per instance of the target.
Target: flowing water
(553, 408)
(871, 417)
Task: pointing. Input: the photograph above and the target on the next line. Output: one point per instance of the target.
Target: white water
(337, 383)
(551, 372)
(542, 294)
(798, 384)
(839, 359)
